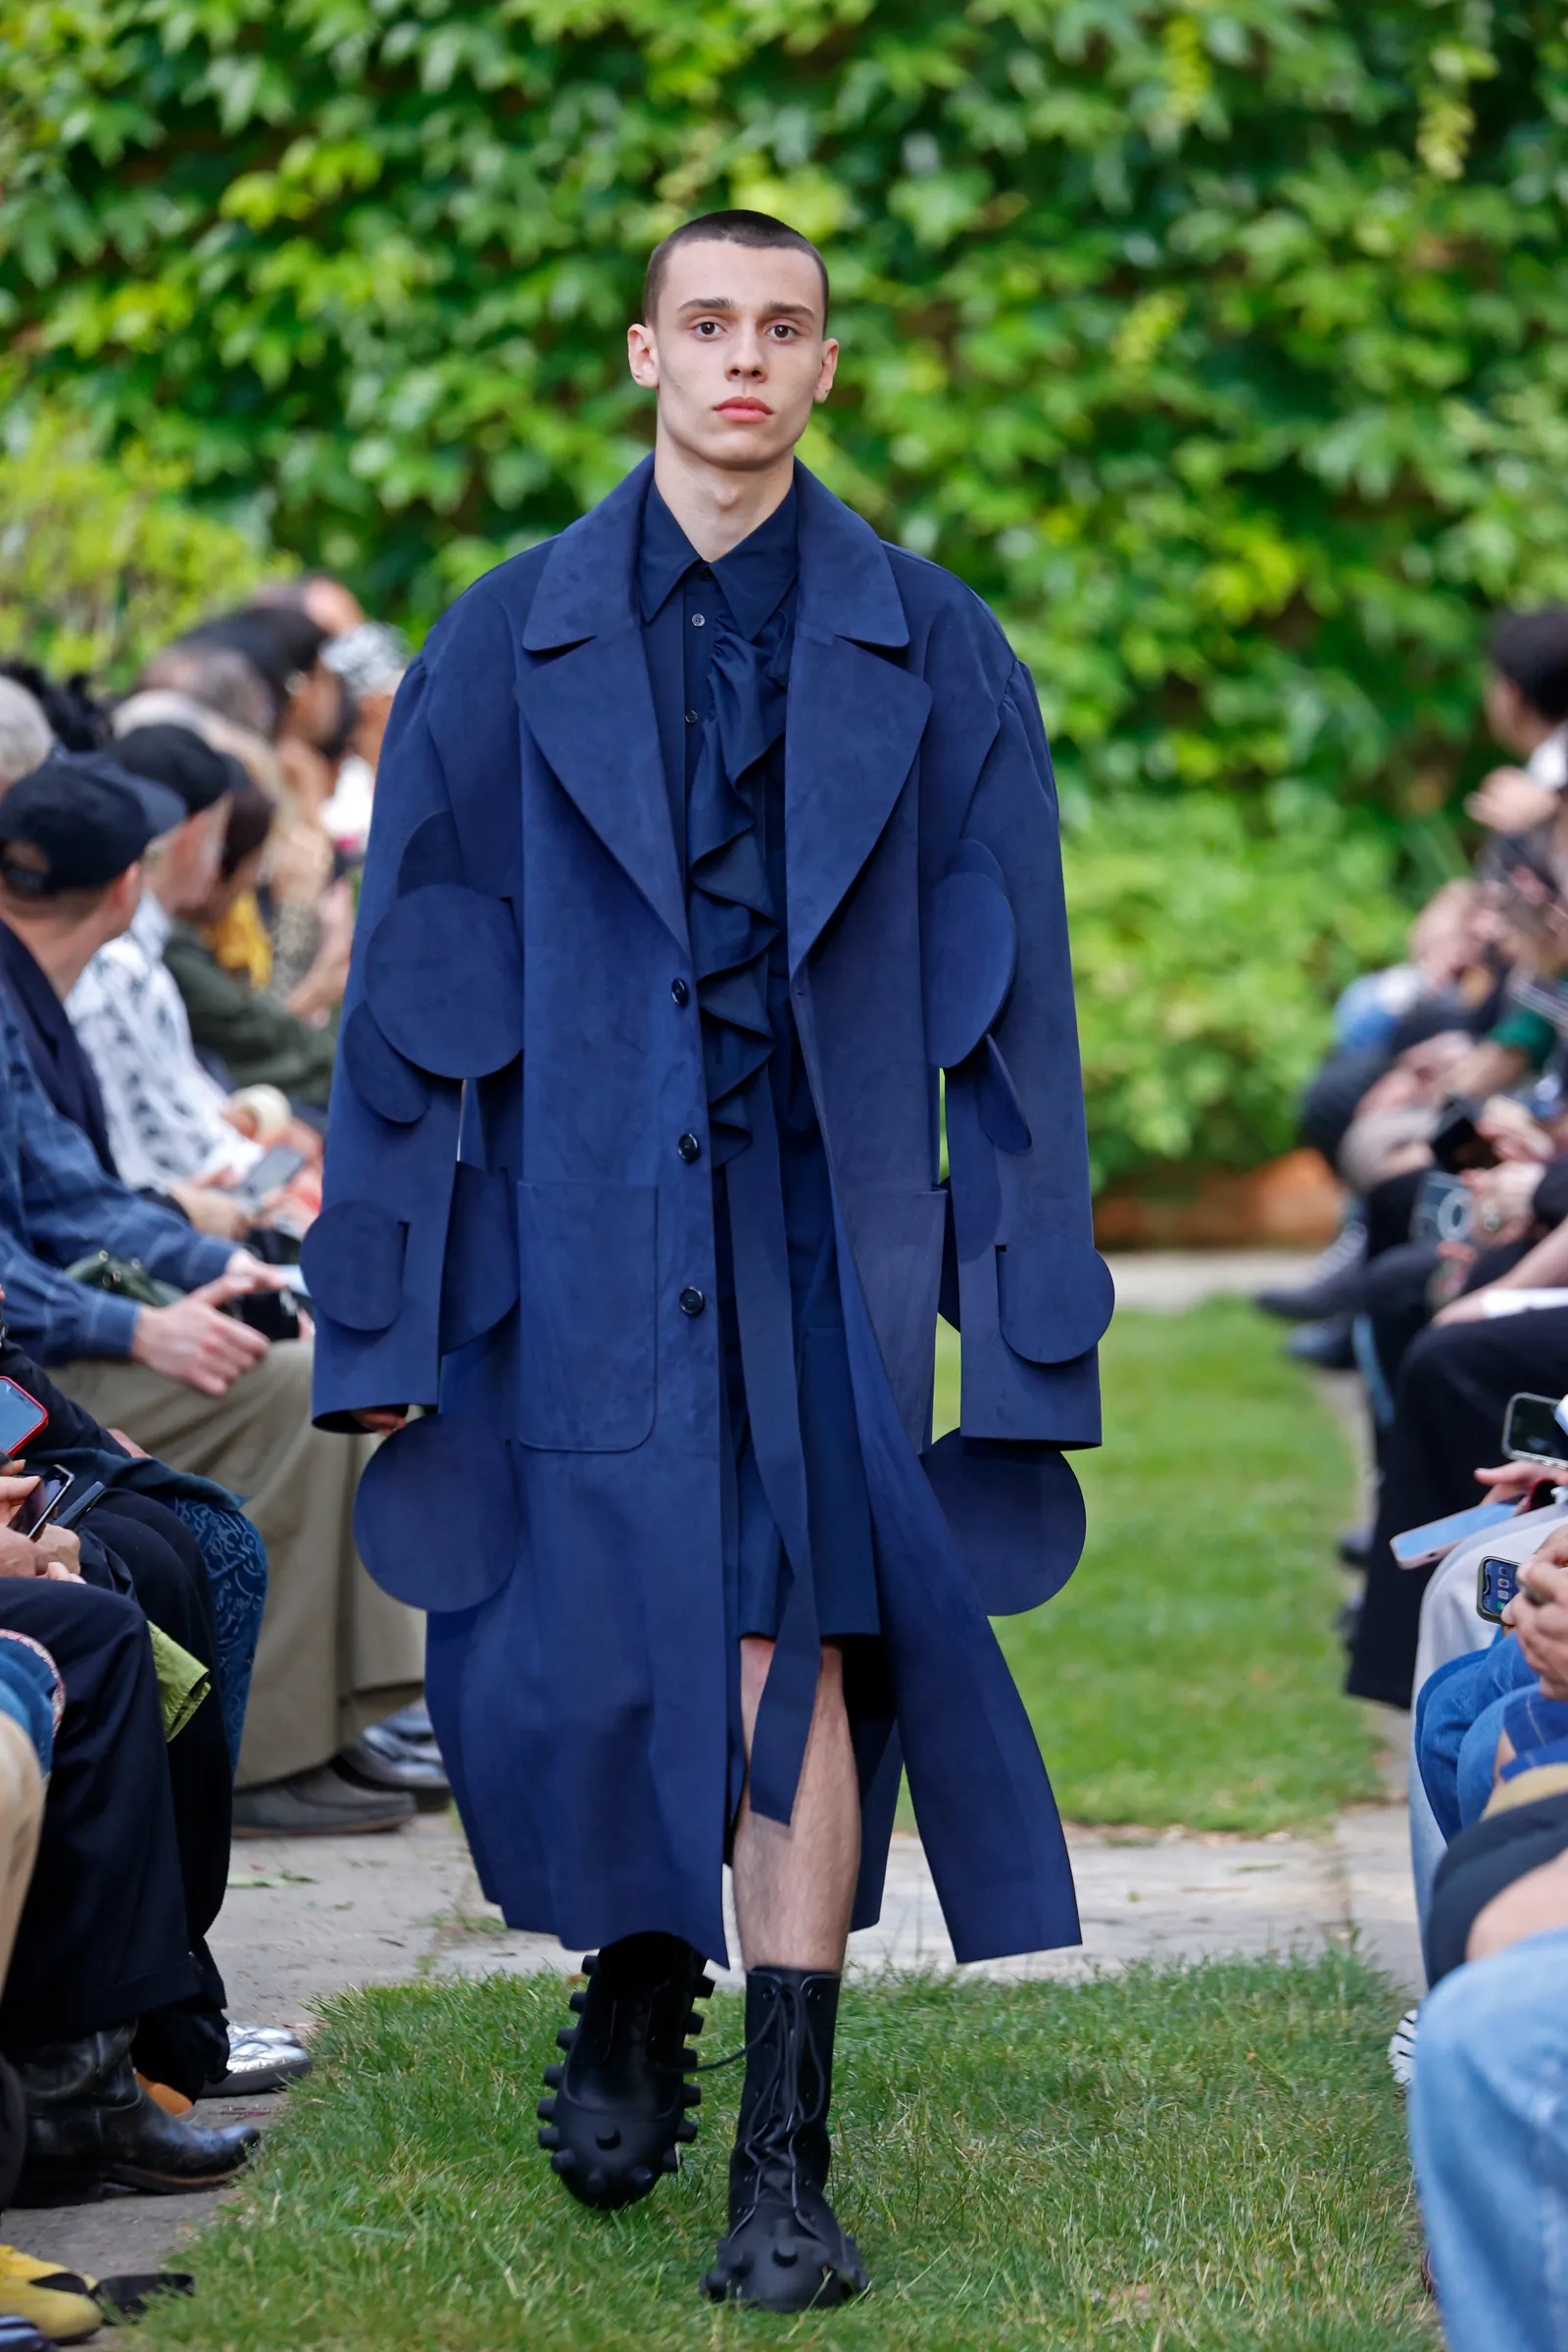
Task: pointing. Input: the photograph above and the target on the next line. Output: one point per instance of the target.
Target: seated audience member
(134, 1542)
(219, 676)
(71, 837)
(1527, 709)
(103, 1937)
(1488, 2127)
(207, 1395)
(165, 1114)
(26, 736)
(57, 2305)
(334, 608)
(374, 658)
(74, 720)
(309, 916)
(1447, 1412)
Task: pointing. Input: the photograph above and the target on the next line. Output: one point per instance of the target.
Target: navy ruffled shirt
(729, 831)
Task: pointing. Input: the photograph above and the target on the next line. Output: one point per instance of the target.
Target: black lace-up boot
(785, 2249)
(618, 2113)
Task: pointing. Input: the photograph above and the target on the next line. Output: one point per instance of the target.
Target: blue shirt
(682, 600)
(58, 1205)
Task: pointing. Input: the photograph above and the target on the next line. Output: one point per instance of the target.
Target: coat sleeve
(1034, 1296)
(373, 1257)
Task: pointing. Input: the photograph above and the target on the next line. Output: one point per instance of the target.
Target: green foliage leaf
(1222, 349)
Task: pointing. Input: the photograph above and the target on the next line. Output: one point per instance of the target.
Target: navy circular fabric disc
(443, 976)
(378, 1072)
(432, 854)
(1055, 1296)
(352, 1258)
(1017, 1518)
(436, 1516)
(970, 950)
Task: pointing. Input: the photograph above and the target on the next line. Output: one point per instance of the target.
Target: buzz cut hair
(759, 231)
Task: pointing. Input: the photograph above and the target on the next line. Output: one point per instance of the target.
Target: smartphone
(274, 1314)
(77, 1505)
(1458, 1143)
(277, 1168)
(1533, 1433)
(1497, 1582)
(1419, 1546)
(54, 1484)
(21, 1417)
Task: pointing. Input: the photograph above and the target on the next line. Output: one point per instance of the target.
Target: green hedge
(1205, 958)
(101, 561)
(1219, 343)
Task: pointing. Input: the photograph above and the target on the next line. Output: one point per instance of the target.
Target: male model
(707, 835)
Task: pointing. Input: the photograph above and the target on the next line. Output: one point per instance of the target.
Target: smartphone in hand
(1420, 1546)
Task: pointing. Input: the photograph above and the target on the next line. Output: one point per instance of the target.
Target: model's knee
(756, 1656)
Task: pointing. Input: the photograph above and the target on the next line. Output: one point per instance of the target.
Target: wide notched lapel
(854, 720)
(588, 703)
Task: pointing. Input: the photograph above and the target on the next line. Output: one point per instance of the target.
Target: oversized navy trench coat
(512, 1240)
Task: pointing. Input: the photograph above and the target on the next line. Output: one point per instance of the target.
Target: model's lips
(744, 408)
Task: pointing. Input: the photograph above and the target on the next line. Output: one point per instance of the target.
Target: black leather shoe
(1334, 1282)
(786, 2251)
(618, 2116)
(91, 2127)
(1328, 1347)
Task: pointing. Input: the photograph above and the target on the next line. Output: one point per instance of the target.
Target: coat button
(691, 1302)
(689, 1149)
(698, 620)
(680, 992)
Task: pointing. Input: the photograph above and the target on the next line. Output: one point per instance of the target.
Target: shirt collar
(150, 926)
(756, 576)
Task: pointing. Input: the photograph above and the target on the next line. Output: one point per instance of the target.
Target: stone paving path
(306, 1917)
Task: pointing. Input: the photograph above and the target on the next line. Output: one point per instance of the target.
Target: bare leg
(795, 1886)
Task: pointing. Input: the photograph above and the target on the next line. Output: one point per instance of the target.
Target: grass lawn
(1189, 1671)
(1209, 2158)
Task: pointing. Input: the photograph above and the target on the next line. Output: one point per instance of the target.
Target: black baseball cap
(86, 817)
(183, 760)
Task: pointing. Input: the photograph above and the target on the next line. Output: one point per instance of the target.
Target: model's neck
(714, 507)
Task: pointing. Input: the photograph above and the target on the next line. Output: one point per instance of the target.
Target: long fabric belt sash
(763, 1311)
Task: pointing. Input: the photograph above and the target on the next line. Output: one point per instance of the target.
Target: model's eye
(707, 328)
(782, 329)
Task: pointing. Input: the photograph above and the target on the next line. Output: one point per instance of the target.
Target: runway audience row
(177, 871)
(1444, 1109)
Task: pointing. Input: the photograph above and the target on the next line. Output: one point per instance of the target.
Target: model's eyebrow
(771, 309)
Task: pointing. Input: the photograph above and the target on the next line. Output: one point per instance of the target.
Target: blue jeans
(1449, 1707)
(1489, 2137)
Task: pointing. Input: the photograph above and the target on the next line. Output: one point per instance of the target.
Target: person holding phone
(680, 956)
(211, 1395)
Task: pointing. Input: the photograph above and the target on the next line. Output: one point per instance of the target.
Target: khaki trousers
(335, 1653)
(21, 1817)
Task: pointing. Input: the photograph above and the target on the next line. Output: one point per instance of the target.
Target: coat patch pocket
(588, 1291)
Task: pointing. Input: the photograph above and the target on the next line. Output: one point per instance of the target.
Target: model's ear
(642, 357)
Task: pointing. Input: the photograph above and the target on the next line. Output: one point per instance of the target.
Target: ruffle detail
(729, 905)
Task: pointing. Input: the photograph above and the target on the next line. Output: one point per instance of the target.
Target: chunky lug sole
(782, 2259)
(616, 2115)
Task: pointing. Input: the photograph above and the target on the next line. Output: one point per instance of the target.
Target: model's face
(736, 352)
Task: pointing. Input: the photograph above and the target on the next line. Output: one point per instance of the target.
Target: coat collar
(855, 721)
(588, 587)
